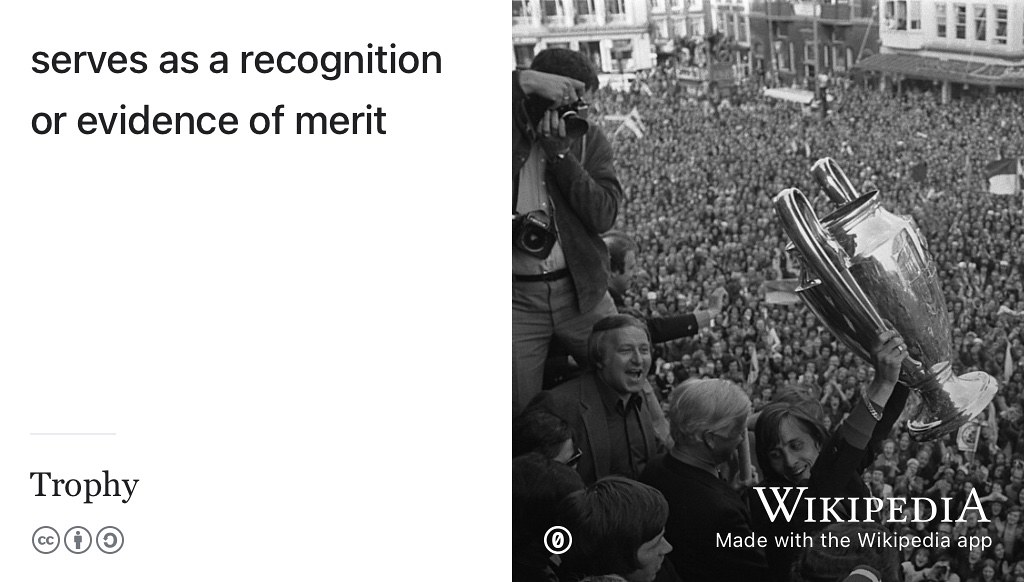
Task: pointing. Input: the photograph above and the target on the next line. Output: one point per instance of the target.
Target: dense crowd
(698, 186)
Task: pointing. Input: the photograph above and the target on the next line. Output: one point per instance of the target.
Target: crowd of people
(697, 188)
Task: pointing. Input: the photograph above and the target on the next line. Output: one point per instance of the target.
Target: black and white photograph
(766, 291)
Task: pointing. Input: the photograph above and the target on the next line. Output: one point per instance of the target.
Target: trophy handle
(833, 180)
(830, 265)
(823, 255)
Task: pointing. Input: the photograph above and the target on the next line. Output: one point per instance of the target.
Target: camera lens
(533, 240)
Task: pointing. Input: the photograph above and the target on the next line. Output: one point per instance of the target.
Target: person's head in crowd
(995, 507)
(618, 528)
(539, 484)
(999, 551)
(904, 442)
(974, 556)
(922, 557)
(537, 430)
(789, 436)
(941, 569)
(889, 448)
(622, 251)
(708, 419)
(822, 563)
(1013, 515)
(620, 350)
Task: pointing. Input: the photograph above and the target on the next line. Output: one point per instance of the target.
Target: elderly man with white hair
(708, 420)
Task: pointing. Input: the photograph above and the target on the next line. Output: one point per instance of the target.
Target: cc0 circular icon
(109, 540)
(46, 540)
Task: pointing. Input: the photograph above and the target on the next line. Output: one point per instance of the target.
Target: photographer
(564, 195)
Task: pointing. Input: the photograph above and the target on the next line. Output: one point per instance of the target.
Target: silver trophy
(866, 270)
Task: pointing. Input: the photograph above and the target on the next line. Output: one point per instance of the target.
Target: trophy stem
(948, 401)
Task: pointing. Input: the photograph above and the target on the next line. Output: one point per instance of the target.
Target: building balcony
(777, 10)
(836, 12)
(586, 19)
(615, 18)
(521, 21)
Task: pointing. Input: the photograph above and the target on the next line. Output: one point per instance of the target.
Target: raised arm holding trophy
(866, 270)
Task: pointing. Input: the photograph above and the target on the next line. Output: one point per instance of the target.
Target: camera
(573, 116)
(533, 233)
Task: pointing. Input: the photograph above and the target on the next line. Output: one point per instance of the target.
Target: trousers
(542, 310)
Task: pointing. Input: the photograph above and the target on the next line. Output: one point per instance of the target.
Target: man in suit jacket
(611, 420)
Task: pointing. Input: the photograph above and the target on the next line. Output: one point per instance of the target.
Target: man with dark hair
(618, 528)
(539, 484)
(622, 251)
(540, 431)
(564, 195)
(611, 421)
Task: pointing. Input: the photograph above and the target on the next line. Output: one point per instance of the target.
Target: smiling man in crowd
(610, 418)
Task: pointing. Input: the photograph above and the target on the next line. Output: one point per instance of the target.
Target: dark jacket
(579, 404)
(836, 473)
(702, 507)
(585, 195)
(662, 329)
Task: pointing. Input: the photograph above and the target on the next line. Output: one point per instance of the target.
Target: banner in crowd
(632, 121)
(781, 292)
(1004, 176)
(967, 437)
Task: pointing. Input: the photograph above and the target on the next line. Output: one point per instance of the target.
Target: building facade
(731, 18)
(957, 45)
(673, 19)
(614, 34)
(792, 42)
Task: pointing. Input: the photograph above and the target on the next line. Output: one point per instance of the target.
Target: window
(622, 50)
(552, 8)
(896, 14)
(961, 20)
(940, 20)
(849, 57)
(519, 9)
(979, 23)
(584, 8)
(1000, 34)
(783, 51)
(524, 55)
(810, 60)
(914, 9)
(592, 50)
(741, 30)
(616, 7)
